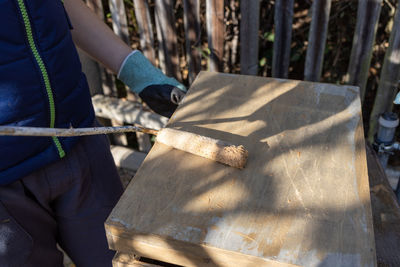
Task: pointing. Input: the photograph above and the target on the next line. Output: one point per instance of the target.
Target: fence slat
(92, 71)
(143, 19)
(192, 32)
(119, 21)
(360, 59)
(167, 38)
(283, 35)
(120, 27)
(231, 51)
(107, 78)
(97, 7)
(249, 26)
(215, 33)
(317, 40)
(390, 76)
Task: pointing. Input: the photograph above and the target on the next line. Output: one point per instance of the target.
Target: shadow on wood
(303, 198)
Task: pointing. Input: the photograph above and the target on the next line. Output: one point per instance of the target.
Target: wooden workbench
(303, 198)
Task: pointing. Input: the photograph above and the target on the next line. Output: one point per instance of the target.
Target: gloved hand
(161, 93)
(162, 98)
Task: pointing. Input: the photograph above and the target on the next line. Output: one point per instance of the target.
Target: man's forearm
(94, 37)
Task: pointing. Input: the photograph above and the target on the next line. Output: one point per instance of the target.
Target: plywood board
(303, 198)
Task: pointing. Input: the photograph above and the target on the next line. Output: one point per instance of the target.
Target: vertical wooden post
(119, 21)
(92, 71)
(120, 27)
(161, 55)
(167, 37)
(364, 37)
(283, 35)
(107, 78)
(191, 18)
(317, 40)
(97, 7)
(215, 32)
(231, 57)
(143, 19)
(249, 26)
(390, 76)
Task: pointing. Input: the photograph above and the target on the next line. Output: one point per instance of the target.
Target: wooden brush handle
(65, 132)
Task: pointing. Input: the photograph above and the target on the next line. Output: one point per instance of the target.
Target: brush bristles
(214, 149)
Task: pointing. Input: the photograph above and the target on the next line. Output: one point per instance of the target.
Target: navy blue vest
(41, 84)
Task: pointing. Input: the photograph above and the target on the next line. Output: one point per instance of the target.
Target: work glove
(161, 93)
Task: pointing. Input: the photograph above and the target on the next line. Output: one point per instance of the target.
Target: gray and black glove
(162, 98)
(161, 93)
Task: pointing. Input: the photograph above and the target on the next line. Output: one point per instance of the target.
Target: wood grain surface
(303, 198)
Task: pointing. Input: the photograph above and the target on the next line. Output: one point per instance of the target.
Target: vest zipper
(42, 67)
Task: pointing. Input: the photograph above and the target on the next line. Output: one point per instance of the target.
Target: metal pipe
(384, 143)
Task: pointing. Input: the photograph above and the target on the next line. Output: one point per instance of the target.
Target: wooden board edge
(363, 186)
(180, 252)
(129, 260)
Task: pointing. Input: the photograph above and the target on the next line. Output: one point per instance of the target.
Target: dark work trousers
(66, 203)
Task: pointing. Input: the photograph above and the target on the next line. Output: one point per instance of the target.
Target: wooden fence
(156, 21)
